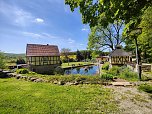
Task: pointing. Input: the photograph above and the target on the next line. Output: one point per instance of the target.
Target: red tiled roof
(42, 50)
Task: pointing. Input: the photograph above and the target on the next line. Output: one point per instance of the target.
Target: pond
(86, 70)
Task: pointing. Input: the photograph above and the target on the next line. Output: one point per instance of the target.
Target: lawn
(22, 97)
(65, 65)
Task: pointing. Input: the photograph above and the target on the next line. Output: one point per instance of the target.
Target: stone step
(121, 84)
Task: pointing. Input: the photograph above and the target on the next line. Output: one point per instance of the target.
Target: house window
(45, 60)
(33, 60)
(37, 60)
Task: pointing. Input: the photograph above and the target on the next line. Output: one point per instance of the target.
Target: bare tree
(65, 52)
(104, 38)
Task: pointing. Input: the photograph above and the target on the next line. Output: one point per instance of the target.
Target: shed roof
(42, 50)
(119, 52)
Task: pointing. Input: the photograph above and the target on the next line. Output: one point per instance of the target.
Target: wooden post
(99, 68)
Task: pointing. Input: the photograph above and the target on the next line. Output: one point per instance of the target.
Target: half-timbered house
(42, 58)
(119, 57)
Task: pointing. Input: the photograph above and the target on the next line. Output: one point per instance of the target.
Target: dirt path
(131, 101)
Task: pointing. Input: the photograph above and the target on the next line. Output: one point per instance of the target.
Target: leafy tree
(20, 61)
(95, 53)
(145, 39)
(2, 62)
(89, 55)
(79, 56)
(104, 38)
(83, 54)
(107, 11)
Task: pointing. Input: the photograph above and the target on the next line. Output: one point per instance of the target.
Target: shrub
(127, 73)
(145, 87)
(107, 76)
(105, 66)
(59, 70)
(22, 71)
(32, 73)
(115, 70)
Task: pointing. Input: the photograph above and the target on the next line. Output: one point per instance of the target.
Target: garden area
(23, 91)
(35, 93)
(111, 73)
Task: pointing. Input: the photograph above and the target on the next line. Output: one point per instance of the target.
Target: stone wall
(45, 69)
(144, 67)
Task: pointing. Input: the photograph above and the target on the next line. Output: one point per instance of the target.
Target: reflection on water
(86, 70)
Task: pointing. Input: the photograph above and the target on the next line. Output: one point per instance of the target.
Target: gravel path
(132, 101)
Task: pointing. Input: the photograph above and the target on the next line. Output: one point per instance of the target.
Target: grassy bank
(65, 65)
(18, 96)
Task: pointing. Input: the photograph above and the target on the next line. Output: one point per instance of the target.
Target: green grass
(146, 88)
(22, 97)
(65, 65)
(122, 72)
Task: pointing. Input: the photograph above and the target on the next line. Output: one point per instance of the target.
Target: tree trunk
(138, 60)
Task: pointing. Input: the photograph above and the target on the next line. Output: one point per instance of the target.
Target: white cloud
(46, 35)
(33, 35)
(40, 35)
(39, 20)
(71, 41)
(17, 16)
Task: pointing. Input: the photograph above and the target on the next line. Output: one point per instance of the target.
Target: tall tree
(79, 56)
(65, 52)
(145, 39)
(104, 38)
(105, 11)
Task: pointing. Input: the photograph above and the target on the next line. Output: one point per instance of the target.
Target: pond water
(86, 70)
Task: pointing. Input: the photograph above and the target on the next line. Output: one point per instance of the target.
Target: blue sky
(40, 22)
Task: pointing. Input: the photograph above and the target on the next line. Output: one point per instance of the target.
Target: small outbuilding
(42, 58)
(119, 57)
(102, 59)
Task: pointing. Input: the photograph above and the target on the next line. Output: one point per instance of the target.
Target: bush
(115, 70)
(105, 66)
(32, 73)
(107, 76)
(127, 73)
(22, 71)
(145, 87)
(59, 70)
